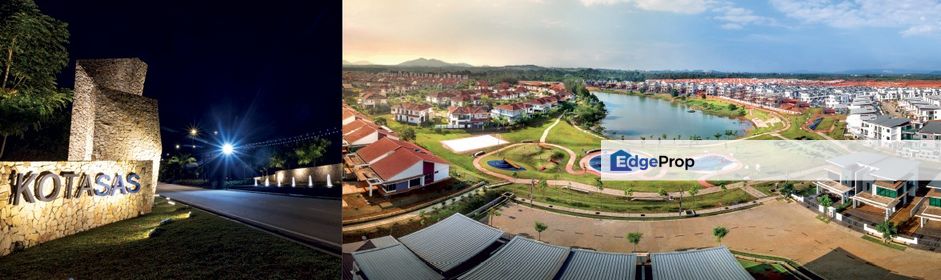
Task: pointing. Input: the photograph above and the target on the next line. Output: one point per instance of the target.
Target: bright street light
(193, 132)
(227, 149)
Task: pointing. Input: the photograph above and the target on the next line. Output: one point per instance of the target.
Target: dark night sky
(262, 71)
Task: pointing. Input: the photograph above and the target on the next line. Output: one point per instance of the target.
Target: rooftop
(521, 259)
(452, 241)
(587, 264)
(393, 262)
(705, 264)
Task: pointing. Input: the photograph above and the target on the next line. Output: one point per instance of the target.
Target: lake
(634, 116)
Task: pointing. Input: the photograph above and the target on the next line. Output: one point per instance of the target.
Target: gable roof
(714, 263)
(393, 262)
(452, 241)
(521, 259)
(587, 264)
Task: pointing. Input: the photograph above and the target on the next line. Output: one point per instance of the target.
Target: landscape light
(177, 146)
(227, 149)
(193, 132)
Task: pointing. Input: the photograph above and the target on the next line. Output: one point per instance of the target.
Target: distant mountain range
(420, 62)
(431, 62)
(361, 62)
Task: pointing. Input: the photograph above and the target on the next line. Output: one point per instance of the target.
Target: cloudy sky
(775, 35)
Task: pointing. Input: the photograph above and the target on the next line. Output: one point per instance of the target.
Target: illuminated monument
(111, 175)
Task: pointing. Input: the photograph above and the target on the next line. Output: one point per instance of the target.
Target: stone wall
(302, 176)
(111, 119)
(31, 223)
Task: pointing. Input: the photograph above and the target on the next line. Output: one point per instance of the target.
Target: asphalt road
(311, 219)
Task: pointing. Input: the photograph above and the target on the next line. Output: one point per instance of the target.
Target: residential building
(468, 117)
(511, 112)
(412, 113)
(885, 128)
(393, 166)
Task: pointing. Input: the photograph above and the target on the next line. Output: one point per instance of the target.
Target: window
(414, 182)
(934, 201)
(886, 192)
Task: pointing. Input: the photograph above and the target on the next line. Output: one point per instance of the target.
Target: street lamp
(227, 149)
(194, 132)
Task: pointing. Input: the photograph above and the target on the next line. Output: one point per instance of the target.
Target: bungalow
(468, 117)
(926, 112)
(883, 184)
(373, 99)
(362, 132)
(394, 166)
(412, 113)
(511, 112)
(442, 98)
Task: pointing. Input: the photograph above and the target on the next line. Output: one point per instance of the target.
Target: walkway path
(774, 228)
(578, 186)
(545, 133)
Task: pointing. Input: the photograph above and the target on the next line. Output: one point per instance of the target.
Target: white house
(412, 113)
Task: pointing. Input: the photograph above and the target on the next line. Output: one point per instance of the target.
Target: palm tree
(543, 185)
(634, 238)
(720, 232)
(540, 227)
(599, 183)
(717, 135)
(493, 212)
(662, 192)
(888, 230)
(629, 192)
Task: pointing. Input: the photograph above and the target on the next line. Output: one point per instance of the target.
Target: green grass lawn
(765, 270)
(610, 203)
(890, 244)
(826, 123)
(838, 130)
(564, 134)
(535, 158)
(795, 131)
(715, 107)
(199, 246)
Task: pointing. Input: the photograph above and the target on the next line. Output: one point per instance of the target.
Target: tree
(634, 238)
(888, 230)
(662, 192)
(693, 191)
(599, 183)
(493, 212)
(276, 161)
(311, 152)
(380, 121)
(825, 201)
(787, 190)
(408, 134)
(717, 135)
(629, 192)
(543, 185)
(540, 227)
(720, 232)
(32, 53)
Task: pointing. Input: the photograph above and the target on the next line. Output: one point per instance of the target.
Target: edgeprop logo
(623, 161)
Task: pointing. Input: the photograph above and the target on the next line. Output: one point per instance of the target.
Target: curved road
(313, 219)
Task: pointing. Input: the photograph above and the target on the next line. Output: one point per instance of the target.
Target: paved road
(776, 228)
(312, 218)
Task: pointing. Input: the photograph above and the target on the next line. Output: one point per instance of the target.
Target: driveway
(309, 220)
(776, 228)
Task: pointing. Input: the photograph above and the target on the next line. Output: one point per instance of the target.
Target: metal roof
(393, 262)
(888, 121)
(452, 241)
(587, 264)
(521, 259)
(705, 264)
(931, 128)
(854, 159)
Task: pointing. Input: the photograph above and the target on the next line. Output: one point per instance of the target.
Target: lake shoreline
(685, 105)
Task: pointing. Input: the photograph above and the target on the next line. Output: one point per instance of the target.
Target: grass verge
(197, 246)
